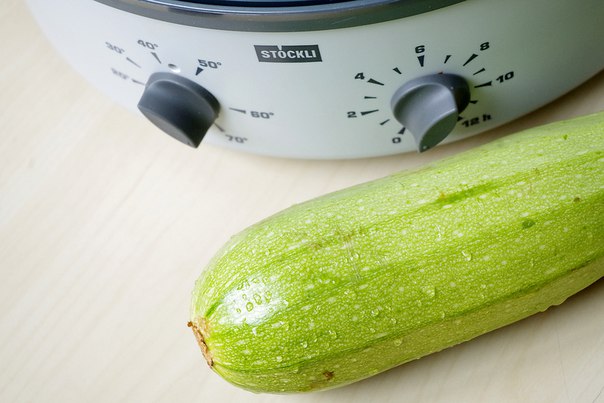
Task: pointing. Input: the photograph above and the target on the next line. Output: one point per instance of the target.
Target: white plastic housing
(527, 53)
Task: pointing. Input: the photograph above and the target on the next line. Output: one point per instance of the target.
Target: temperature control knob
(178, 106)
(429, 106)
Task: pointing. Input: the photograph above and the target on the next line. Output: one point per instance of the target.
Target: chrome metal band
(278, 18)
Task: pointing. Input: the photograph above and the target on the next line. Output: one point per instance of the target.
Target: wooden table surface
(105, 224)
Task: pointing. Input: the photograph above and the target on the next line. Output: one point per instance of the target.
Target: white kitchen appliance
(328, 79)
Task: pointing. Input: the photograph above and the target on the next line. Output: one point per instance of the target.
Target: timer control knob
(429, 107)
(178, 106)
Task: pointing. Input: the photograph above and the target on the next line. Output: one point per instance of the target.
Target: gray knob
(429, 107)
(178, 106)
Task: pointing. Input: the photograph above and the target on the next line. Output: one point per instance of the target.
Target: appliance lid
(277, 15)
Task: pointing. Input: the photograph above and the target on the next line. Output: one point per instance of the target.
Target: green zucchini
(345, 286)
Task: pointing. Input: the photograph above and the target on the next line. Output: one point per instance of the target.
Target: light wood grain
(105, 224)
